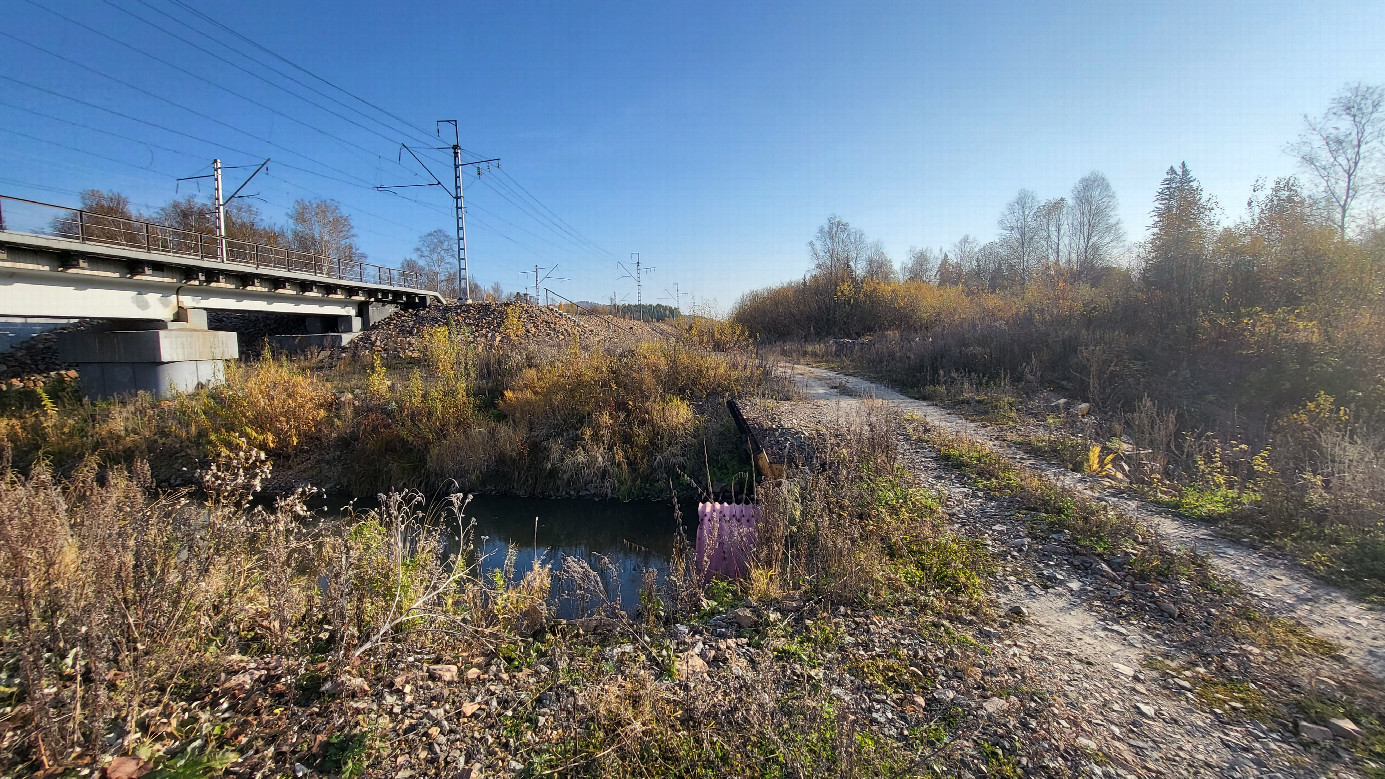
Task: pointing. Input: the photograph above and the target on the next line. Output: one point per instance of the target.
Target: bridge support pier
(161, 359)
(331, 332)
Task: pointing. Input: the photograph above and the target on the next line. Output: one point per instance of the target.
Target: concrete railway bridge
(153, 286)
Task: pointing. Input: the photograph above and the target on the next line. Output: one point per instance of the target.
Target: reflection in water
(632, 536)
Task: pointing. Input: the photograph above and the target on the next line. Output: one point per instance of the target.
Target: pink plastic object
(725, 538)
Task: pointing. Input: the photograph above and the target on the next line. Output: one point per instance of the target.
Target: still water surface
(632, 535)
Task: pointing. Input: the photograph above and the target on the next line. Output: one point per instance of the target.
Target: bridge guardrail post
(81, 227)
(146, 237)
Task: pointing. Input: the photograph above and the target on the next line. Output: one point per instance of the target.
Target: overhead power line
(203, 79)
(424, 134)
(175, 104)
(271, 68)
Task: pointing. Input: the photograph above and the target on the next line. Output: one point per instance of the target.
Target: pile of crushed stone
(489, 322)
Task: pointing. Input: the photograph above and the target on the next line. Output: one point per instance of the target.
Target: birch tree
(1342, 148)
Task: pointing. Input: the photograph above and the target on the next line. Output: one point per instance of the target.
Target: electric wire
(511, 191)
(430, 137)
(262, 64)
(545, 216)
(209, 82)
(179, 106)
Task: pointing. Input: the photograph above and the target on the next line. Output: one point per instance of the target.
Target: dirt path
(1124, 686)
(1280, 587)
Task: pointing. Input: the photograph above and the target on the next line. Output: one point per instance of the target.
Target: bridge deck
(64, 262)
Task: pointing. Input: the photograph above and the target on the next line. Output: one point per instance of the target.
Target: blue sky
(713, 138)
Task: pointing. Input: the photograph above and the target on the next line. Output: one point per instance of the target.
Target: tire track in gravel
(1280, 587)
(1103, 674)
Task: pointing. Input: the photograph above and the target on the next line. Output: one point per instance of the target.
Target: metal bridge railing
(18, 215)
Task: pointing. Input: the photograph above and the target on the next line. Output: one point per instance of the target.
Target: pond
(633, 536)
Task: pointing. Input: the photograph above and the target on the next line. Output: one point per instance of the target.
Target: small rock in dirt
(1018, 612)
(688, 665)
(473, 674)
(744, 617)
(127, 768)
(945, 696)
(1168, 608)
(469, 708)
(1145, 709)
(1314, 732)
(1183, 683)
(443, 673)
(618, 650)
(1124, 670)
(1083, 409)
(1344, 728)
(994, 705)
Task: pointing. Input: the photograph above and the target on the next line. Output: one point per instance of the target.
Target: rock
(473, 674)
(1145, 709)
(1018, 612)
(1124, 670)
(945, 696)
(743, 617)
(994, 706)
(1314, 732)
(1083, 409)
(443, 673)
(1344, 728)
(1183, 683)
(127, 768)
(688, 665)
(618, 650)
(1168, 608)
(469, 708)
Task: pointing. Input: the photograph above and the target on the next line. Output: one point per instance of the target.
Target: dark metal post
(81, 227)
(146, 237)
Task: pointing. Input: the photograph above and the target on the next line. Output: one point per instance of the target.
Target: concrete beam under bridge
(161, 359)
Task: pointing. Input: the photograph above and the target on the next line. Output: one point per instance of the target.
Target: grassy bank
(207, 636)
(509, 415)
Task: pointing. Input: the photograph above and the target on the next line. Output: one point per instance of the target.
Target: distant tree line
(1299, 242)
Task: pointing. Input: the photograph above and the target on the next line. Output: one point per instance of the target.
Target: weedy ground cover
(198, 632)
(507, 416)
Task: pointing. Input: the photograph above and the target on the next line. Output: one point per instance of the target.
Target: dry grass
(114, 599)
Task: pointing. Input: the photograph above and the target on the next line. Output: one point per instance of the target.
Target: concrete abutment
(154, 356)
